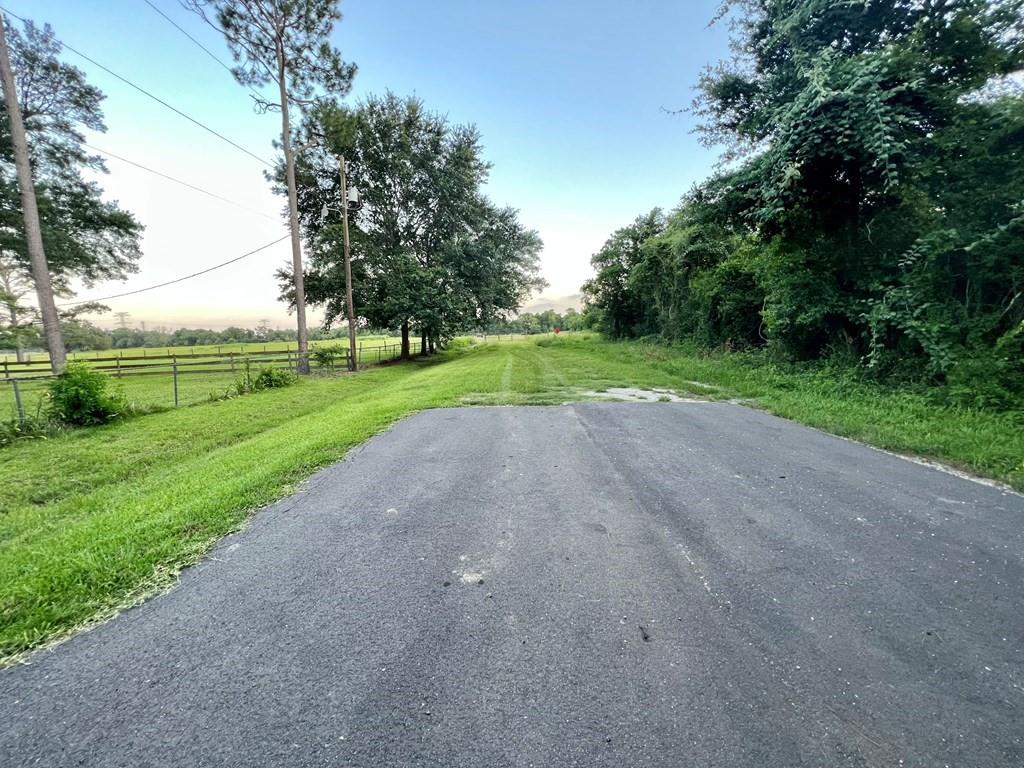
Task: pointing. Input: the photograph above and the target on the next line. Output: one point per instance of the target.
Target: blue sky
(567, 95)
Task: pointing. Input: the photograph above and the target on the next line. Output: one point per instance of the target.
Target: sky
(572, 98)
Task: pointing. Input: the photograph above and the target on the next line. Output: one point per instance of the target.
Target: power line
(178, 181)
(178, 279)
(175, 24)
(206, 50)
(157, 99)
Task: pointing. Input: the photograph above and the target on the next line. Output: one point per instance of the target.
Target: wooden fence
(199, 362)
(21, 385)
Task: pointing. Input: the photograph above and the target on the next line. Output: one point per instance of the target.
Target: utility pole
(302, 359)
(348, 268)
(30, 211)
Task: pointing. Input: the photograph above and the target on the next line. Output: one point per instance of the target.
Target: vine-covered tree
(872, 202)
(85, 236)
(429, 252)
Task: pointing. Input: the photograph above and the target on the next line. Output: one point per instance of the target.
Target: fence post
(7, 372)
(17, 403)
(174, 372)
(119, 367)
(232, 362)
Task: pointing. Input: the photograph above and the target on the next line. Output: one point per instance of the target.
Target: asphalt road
(587, 585)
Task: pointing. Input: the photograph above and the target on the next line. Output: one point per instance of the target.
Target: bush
(326, 357)
(81, 397)
(273, 378)
(993, 378)
(266, 378)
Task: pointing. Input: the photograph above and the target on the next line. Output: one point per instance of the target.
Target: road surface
(599, 584)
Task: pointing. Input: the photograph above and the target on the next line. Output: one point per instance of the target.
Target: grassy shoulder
(93, 519)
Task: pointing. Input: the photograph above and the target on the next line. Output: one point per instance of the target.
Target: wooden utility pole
(30, 211)
(352, 350)
(302, 360)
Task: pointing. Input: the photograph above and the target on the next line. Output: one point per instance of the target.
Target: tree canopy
(294, 35)
(429, 251)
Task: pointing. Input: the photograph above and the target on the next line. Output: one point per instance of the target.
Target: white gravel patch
(637, 395)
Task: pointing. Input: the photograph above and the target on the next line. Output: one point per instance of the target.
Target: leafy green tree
(615, 302)
(80, 334)
(85, 237)
(872, 203)
(846, 113)
(429, 252)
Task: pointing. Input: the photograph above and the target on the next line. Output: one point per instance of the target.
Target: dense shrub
(81, 397)
(991, 378)
(267, 377)
(327, 357)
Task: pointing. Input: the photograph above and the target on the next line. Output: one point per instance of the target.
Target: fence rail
(177, 379)
(125, 366)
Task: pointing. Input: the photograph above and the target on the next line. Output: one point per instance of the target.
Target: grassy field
(198, 383)
(95, 519)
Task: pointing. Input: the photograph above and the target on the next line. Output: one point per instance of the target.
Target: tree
(853, 119)
(871, 205)
(609, 293)
(285, 42)
(84, 236)
(429, 252)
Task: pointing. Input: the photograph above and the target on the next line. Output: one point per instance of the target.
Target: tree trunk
(30, 212)
(302, 360)
(423, 343)
(430, 344)
(405, 339)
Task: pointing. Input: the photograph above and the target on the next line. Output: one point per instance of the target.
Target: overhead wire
(142, 90)
(155, 98)
(163, 175)
(206, 50)
(178, 279)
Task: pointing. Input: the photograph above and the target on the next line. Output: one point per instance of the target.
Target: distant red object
(558, 330)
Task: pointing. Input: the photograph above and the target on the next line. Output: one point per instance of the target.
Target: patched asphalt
(598, 584)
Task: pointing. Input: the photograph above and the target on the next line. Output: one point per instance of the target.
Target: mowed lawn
(95, 519)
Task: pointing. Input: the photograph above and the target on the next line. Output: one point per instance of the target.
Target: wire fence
(149, 381)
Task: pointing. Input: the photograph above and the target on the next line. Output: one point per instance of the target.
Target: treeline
(872, 203)
(81, 335)
(539, 322)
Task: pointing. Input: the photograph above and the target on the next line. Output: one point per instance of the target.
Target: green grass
(197, 383)
(93, 519)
